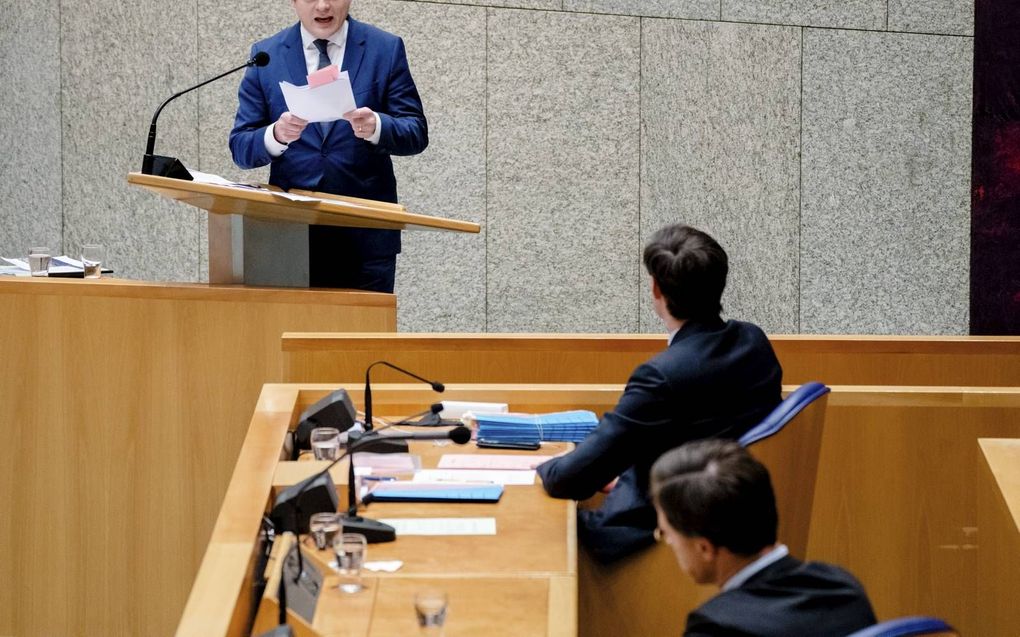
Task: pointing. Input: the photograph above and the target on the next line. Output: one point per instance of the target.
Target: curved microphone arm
(436, 387)
(259, 59)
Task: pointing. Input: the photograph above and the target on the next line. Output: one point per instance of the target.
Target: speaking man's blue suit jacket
(341, 163)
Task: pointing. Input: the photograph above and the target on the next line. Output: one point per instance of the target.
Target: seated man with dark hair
(717, 511)
(717, 378)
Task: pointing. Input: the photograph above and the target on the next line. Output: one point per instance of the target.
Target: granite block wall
(30, 171)
(825, 143)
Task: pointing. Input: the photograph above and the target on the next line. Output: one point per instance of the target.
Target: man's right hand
(288, 128)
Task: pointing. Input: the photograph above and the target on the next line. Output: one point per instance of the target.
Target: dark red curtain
(995, 190)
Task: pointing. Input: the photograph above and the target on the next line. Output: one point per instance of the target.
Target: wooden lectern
(259, 236)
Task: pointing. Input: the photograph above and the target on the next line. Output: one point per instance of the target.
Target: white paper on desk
(475, 475)
(209, 178)
(326, 103)
(386, 566)
(216, 180)
(21, 264)
(442, 526)
(385, 463)
(498, 461)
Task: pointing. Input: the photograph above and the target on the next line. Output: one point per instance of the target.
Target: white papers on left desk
(325, 103)
(58, 265)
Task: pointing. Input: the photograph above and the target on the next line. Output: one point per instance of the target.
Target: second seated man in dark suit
(717, 511)
(349, 157)
(717, 378)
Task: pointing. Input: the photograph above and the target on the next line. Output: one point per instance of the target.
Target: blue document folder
(564, 426)
(404, 491)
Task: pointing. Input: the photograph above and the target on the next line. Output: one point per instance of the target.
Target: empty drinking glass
(39, 261)
(430, 605)
(325, 443)
(324, 527)
(350, 555)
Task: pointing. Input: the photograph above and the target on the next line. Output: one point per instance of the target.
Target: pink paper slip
(325, 75)
(504, 462)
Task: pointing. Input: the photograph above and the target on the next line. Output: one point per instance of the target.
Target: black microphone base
(374, 532)
(380, 445)
(430, 420)
(165, 167)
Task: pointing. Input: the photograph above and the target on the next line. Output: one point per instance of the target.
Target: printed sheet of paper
(209, 178)
(386, 463)
(497, 461)
(324, 103)
(475, 475)
(442, 526)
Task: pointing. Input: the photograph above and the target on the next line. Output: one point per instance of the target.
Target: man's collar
(338, 38)
(779, 552)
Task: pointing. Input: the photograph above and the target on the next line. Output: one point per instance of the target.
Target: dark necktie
(323, 63)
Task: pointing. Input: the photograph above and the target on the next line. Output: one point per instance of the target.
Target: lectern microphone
(170, 166)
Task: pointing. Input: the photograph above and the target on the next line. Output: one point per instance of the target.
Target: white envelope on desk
(325, 103)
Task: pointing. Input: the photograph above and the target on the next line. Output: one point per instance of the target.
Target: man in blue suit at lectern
(346, 157)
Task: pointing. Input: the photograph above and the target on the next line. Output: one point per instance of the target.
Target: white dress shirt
(744, 574)
(335, 50)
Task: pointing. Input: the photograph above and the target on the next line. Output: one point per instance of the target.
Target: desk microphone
(317, 494)
(170, 166)
(398, 447)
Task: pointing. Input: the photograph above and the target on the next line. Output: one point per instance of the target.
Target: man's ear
(707, 552)
(656, 292)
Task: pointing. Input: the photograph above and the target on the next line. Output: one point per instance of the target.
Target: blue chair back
(788, 442)
(795, 403)
(907, 626)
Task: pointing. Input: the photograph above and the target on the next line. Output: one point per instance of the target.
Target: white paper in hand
(326, 103)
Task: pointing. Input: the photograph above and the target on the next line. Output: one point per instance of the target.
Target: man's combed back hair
(690, 268)
(716, 490)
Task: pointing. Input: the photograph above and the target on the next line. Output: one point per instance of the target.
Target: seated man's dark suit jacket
(716, 379)
(340, 163)
(784, 599)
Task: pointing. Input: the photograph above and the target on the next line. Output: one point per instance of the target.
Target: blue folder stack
(564, 426)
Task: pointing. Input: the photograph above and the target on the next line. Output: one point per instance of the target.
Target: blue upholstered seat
(906, 626)
(784, 412)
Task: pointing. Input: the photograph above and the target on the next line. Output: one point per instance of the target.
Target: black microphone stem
(438, 387)
(151, 143)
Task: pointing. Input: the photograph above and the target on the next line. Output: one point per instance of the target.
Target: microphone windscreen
(460, 435)
(438, 387)
(261, 58)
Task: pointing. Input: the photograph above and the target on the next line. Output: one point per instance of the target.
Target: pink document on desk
(500, 461)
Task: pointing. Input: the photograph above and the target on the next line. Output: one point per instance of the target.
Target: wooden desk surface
(330, 210)
(151, 290)
(522, 581)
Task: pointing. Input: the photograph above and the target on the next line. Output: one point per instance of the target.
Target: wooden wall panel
(122, 409)
(998, 576)
(609, 358)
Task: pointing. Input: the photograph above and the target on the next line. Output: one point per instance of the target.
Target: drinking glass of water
(39, 261)
(92, 260)
(324, 527)
(326, 443)
(430, 605)
(350, 555)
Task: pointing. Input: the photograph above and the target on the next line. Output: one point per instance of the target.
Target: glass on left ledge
(39, 261)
